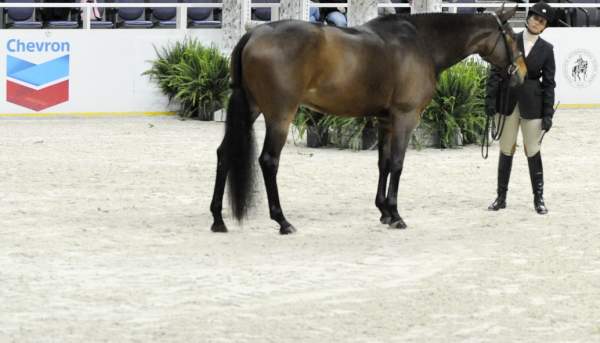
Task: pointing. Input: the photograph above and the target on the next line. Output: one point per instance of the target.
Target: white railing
(86, 9)
(511, 5)
(181, 8)
(393, 5)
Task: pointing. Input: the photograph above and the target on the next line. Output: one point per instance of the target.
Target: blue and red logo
(37, 86)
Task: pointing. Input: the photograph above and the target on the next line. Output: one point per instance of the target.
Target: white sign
(577, 56)
(85, 71)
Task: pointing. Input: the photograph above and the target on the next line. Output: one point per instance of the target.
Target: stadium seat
(202, 17)
(582, 17)
(400, 10)
(164, 17)
(99, 18)
(132, 17)
(101, 24)
(62, 24)
(60, 17)
(262, 14)
(465, 10)
(21, 17)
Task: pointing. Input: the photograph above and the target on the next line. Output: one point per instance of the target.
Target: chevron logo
(37, 86)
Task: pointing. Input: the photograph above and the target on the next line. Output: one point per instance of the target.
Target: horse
(387, 67)
(579, 70)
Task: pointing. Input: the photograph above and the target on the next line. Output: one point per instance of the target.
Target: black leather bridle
(512, 67)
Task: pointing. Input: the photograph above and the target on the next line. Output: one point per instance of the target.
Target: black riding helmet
(543, 10)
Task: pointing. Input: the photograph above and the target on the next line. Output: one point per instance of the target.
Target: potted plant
(194, 75)
(306, 123)
(162, 69)
(357, 133)
(456, 114)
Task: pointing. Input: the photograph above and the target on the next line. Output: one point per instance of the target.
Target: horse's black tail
(239, 147)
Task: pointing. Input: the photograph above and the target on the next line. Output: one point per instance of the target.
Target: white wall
(569, 43)
(106, 66)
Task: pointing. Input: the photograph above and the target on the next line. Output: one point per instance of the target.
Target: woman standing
(530, 106)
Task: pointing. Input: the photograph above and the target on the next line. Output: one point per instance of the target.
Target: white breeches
(531, 129)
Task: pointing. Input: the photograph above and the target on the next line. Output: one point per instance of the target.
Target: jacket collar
(521, 45)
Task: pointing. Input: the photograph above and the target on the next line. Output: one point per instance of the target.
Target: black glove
(546, 123)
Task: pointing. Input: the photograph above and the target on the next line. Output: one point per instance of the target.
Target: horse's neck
(457, 40)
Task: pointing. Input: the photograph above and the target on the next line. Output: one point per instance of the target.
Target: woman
(530, 106)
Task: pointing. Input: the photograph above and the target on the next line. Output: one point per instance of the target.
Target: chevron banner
(37, 86)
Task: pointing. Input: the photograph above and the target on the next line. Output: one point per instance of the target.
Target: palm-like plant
(162, 68)
(194, 75)
(458, 104)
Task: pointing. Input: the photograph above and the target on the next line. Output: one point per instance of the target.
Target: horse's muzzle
(516, 79)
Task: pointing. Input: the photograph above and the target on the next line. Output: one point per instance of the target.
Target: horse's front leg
(383, 165)
(402, 126)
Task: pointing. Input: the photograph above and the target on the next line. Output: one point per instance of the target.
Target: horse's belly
(347, 103)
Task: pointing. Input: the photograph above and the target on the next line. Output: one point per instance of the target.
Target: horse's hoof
(287, 230)
(220, 227)
(398, 224)
(385, 220)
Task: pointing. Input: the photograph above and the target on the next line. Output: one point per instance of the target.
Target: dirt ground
(104, 234)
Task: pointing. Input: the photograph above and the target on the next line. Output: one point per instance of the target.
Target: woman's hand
(546, 123)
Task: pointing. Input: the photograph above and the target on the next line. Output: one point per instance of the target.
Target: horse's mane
(432, 24)
(435, 17)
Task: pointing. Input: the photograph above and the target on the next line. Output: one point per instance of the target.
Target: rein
(490, 124)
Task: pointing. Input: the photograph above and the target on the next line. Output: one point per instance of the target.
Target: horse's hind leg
(223, 166)
(276, 135)
(384, 171)
(216, 205)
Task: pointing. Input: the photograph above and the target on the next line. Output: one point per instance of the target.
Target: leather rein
(511, 69)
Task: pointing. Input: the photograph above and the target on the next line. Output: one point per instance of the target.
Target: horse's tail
(239, 150)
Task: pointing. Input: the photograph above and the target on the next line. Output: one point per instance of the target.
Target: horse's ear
(505, 14)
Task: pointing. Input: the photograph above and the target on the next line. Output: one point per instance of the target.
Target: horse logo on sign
(580, 68)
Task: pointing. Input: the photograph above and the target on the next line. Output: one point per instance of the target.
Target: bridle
(511, 69)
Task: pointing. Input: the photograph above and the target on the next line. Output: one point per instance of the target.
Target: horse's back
(343, 71)
(319, 65)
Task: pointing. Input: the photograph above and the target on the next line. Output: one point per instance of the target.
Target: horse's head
(500, 48)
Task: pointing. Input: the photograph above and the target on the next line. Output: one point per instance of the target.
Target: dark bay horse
(387, 67)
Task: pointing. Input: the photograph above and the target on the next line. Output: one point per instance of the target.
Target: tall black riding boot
(504, 167)
(536, 173)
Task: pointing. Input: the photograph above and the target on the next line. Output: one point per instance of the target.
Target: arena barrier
(90, 73)
(577, 63)
(99, 72)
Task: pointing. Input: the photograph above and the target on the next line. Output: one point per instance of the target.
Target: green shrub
(343, 132)
(347, 132)
(304, 118)
(457, 106)
(195, 76)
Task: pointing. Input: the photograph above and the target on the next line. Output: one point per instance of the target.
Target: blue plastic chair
(262, 14)
(202, 17)
(22, 17)
(164, 17)
(132, 17)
